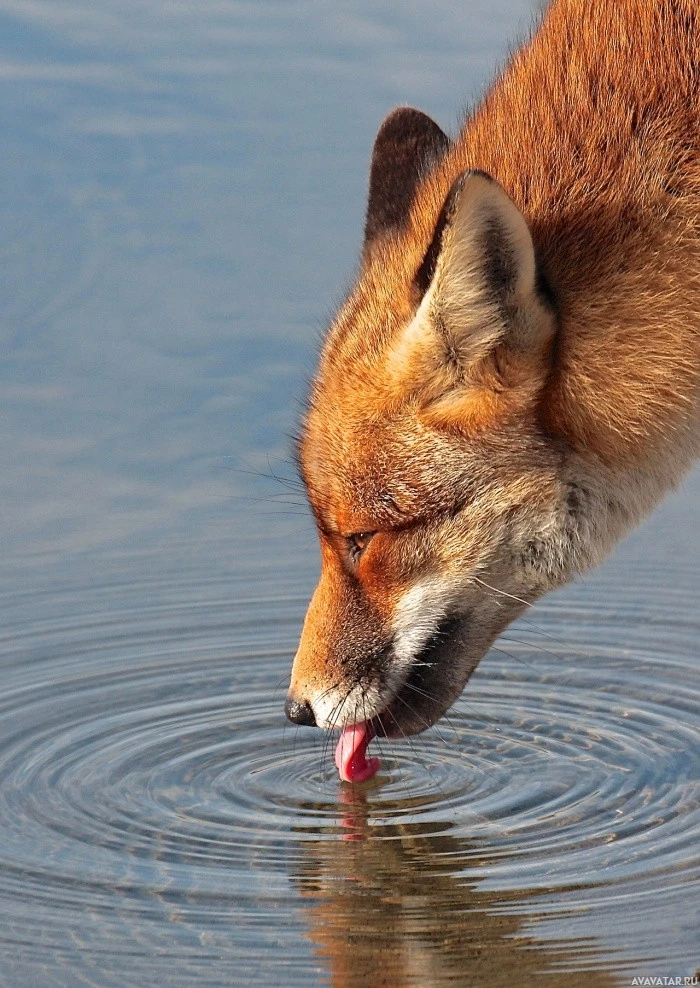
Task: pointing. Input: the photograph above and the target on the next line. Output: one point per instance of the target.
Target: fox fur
(514, 380)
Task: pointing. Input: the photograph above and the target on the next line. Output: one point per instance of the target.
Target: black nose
(300, 713)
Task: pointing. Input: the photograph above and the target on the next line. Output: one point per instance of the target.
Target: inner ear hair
(483, 290)
(482, 325)
(426, 271)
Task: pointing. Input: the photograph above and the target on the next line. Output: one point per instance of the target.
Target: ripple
(150, 789)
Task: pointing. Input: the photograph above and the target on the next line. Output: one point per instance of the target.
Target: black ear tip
(398, 114)
(411, 131)
(407, 143)
(406, 120)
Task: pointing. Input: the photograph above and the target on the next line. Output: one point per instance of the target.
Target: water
(181, 204)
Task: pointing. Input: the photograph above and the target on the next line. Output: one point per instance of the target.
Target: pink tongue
(351, 753)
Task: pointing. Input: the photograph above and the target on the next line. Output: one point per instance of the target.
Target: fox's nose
(300, 712)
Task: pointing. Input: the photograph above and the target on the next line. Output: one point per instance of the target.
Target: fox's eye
(358, 542)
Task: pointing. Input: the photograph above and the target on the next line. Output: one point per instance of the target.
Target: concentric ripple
(153, 800)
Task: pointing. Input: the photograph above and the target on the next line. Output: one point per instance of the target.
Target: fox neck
(602, 506)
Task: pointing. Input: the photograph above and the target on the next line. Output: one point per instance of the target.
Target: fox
(513, 381)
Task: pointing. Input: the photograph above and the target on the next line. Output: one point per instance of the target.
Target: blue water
(181, 204)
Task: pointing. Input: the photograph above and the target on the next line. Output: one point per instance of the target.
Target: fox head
(443, 501)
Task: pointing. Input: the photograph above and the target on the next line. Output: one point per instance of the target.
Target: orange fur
(593, 131)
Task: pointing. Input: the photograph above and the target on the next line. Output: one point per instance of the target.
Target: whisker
(511, 655)
(289, 482)
(327, 736)
(421, 719)
(400, 774)
(536, 627)
(422, 762)
(280, 480)
(540, 648)
(332, 719)
(560, 641)
(445, 716)
(260, 498)
(276, 514)
(279, 686)
(503, 593)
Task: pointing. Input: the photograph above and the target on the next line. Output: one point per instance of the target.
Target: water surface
(181, 205)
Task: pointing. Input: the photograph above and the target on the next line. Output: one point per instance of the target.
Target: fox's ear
(485, 315)
(483, 287)
(407, 145)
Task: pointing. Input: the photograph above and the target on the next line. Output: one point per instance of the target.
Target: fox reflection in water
(389, 907)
